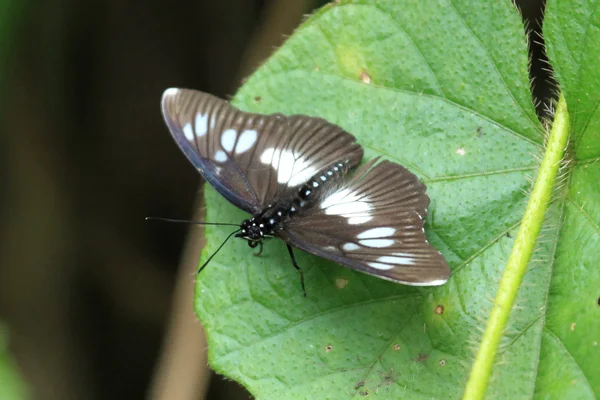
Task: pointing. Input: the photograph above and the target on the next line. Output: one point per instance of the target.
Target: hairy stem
(520, 255)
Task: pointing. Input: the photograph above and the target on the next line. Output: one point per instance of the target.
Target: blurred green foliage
(12, 387)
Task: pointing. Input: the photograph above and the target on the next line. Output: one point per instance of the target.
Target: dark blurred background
(98, 302)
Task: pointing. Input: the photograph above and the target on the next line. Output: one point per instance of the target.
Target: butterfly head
(252, 230)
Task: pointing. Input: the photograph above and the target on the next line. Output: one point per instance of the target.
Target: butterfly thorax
(272, 219)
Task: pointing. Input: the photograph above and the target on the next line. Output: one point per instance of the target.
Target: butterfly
(292, 174)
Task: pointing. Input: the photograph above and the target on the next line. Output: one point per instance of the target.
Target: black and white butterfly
(291, 174)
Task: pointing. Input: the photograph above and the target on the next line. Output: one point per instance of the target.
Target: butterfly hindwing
(253, 160)
(373, 223)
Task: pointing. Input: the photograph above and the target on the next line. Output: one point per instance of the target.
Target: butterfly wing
(373, 223)
(253, 160)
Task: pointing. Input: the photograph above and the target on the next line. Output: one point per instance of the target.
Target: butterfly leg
(260, 250)
(298, 268)
(258, 243)
(253, 244)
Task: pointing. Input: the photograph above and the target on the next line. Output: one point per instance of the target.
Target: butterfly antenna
(184, 221)
(215, 253)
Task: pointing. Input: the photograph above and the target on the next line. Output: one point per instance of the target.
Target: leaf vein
(406, 92)
(315, 316)
(384, 348)
(477, 174)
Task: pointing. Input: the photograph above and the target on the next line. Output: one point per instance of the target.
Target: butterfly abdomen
(318, 184)
(322, 182)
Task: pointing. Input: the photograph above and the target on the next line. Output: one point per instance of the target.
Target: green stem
(520, 255)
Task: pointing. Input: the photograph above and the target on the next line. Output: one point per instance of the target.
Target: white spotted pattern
(188, 132)
(376, 233)
(201, 124)
(397, 260)
(359, 220)
(350, 247)
(228, 140)
(220, 156)
(380, 266)
(291, 170)
(348, 205)
(377, 243)
(246, 141)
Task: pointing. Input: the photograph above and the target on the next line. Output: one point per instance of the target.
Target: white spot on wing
(349, 205)
(246, 141)
(291, 170)
(347, 208)
(378, 243)
(376, 233)
(220, 156)
(188, 132)
(400, 254)
(380, 266)
(350, 247)
(267, 156)
(334, 198)
(397, 260)
(359, 220)
(201, 124)
(228, 139)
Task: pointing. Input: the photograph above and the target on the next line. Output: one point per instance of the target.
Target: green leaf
(441, 87)
(570, 349)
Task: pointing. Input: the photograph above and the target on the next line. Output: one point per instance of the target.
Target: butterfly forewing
(253, 160)
(373, 223)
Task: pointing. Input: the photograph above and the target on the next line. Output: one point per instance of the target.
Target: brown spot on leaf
(573, 326)
(442, 363)
(387, 378)
(328, 348)
(341, 283)
(421, 357)
(364, 77)
(439, 310)
(396, 347)
(257, 99)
